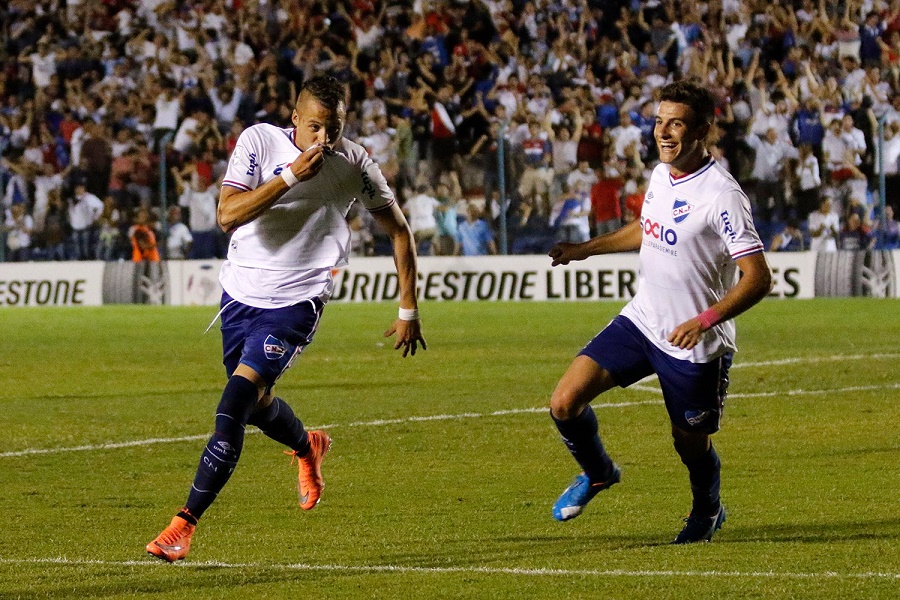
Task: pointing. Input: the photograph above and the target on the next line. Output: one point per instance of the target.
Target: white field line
(517, 411)
(375, 423)
(462, 570)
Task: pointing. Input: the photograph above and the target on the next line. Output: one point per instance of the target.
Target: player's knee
(690, 444)
(564, 404)
(238, 399)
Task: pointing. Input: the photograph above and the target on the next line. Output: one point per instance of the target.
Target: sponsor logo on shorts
(273, 347)
(681, 209)
(695, 417)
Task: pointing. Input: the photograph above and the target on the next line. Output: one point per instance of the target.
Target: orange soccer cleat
(309, 480)
(174, 541)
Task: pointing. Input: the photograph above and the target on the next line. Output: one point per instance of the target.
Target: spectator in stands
(167, 113)
(606, 200)
(122, 170)
(584, 174)
(790, 239)
(420, 211)
(807, 125)
(110, 226)
(200, 200)
(856, 235)
(590, 146)
(46, 179)
(443, 143)
(808, 181)
(772, 155)
(178, 236)
(381, 147)
(564, 146)
(537, 176)
(570, 217)
(888, 229)
(634, 201)
(824, 226)
(17, 189)
(192, 130)
(51, 242)
(95, 163)
(84, 214)
(473, 236)
(484, 153)
(449, 194)
(18, 226)
(625, 136)
(143, 238)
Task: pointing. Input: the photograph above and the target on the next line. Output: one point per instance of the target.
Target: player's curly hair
(326, 89)
(693, 95)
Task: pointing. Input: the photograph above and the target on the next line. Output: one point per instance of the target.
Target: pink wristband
(708, 318)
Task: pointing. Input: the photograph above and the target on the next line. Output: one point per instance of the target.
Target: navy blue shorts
(266, 339)
(694, 393)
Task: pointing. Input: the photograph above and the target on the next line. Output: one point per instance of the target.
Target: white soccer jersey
(694, 228)
(287, 253)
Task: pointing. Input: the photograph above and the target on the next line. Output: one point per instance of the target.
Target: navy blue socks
(223, 450)
(581, 436)
(279, 423)
(705, 475)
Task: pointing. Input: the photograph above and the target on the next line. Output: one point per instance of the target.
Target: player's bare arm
(755, 284)
(626, 239)
(238, 207)
(409, 332)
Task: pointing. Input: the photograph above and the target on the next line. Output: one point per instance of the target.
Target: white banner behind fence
(483, 278)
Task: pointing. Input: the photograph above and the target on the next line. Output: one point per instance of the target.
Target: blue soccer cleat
(700, 529)
(575, 497)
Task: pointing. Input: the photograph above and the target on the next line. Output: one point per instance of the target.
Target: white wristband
(409, 314)
(289, 178)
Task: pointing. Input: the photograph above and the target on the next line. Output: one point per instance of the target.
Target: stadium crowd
(117, 117)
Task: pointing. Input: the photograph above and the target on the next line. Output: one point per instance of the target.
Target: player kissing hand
(309, 163)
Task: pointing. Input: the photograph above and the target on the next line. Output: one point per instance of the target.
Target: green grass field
(445, 466)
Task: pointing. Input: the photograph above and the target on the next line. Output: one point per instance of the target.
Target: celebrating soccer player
(285, 198)
(694, 233)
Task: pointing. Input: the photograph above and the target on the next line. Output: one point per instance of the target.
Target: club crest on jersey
(273, 347)
(681, 209)
(237, 155)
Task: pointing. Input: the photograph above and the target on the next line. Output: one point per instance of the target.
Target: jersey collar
(689, 176)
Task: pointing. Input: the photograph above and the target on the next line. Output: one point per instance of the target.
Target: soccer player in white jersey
(285, 198)
(694, 233)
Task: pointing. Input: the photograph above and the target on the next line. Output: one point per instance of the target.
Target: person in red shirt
(606, 202)
(635, 201)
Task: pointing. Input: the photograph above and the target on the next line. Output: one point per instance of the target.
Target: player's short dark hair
(693, 95)
(326, 89)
